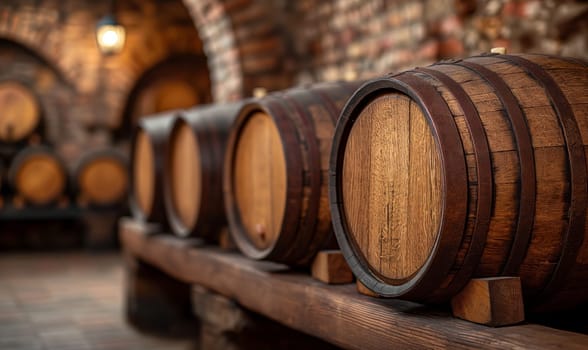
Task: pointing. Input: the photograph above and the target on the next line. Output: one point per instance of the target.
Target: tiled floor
(68, 301)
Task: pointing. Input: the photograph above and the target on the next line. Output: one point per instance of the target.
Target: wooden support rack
(335, 313)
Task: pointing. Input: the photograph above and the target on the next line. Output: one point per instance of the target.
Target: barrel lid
(40, 178)
(19, 111)
(259, 179)
(143, 171)
(103, 179)
(392, 186)
(438, 178)
(185, 176)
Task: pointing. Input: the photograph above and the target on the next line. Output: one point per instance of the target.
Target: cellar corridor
(285, 175)
(68, 301)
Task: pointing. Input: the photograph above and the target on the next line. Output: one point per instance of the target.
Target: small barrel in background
(2, 187)
(38, 176)
(148, 149)
(467, 168)
(101, 179)
(275, 181)
(20, 114)
(193, 170)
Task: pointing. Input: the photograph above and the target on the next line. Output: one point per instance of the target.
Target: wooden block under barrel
(329, 266)
(496, 301)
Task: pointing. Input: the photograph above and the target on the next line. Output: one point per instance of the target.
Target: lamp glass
(111, 38)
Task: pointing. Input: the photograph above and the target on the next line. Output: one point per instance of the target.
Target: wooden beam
(337, 314)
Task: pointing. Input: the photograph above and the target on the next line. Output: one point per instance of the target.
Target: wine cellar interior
(274, 174)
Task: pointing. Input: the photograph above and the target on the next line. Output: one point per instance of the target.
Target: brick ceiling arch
(243, 44)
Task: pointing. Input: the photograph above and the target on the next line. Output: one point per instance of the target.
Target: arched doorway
(178, 82)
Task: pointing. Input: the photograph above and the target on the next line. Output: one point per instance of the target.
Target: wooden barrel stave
(201, 213)
(551, 155)
(523, 84)
(304, 121)
(148, 150)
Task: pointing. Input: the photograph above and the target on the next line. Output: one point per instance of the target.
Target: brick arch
(244, 46)
(28, 43)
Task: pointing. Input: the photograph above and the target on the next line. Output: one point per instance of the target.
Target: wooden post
(495, 301)
(155, 302)
(329, 266)
(227, 326)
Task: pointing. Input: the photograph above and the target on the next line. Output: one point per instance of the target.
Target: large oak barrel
(38, 176)
(193, 170)
(467, 168)
(148, 149)
(276, 163)
(19, 112)
(101, 178)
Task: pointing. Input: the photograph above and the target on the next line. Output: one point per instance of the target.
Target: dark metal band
(574, 235)
(527, 193)
(298, 103)
(484, 180)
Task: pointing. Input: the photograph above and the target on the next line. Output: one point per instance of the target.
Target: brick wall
(260, 43)
(245, 44)
(347, 39)
(89, 90)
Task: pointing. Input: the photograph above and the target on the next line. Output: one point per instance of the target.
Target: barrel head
(392, 187)
(259, 179)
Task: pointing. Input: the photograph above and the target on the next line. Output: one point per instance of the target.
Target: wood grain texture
(38, 176)
(329, 266)
(283, 218)
(260, 181)
(144, 178)
(186, 173)
(494, 301)
(101, 178)
(148, 152)
(521, 124)
(392, 187)
(334, 313)
(20, 111)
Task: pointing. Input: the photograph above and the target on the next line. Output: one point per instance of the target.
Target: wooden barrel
(193, 170)
(2, 187)
(276, 163)
(38, 176)
(19, 112)
(101, 179)
(467, 168)
(148, 149)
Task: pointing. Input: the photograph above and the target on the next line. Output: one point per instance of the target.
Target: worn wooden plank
(337, 314)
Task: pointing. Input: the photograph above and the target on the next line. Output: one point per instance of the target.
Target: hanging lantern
(110, 35)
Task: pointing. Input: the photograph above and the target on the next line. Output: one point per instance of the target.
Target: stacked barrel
(467, 168)
(33, 175)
